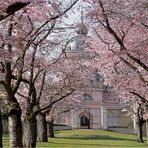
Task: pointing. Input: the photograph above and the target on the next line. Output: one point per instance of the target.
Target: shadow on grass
(95, 137)
(73, 144)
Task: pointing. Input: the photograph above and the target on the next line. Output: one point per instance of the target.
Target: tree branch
(11, 9)
(55, 101)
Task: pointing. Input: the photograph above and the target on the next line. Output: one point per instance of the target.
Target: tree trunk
(1, 131)
(147, 130)
(42, 127)
(30, 132)
(140, 133)
(15, 128)
(50, 130)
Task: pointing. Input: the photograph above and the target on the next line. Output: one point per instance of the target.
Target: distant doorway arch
(84, 121)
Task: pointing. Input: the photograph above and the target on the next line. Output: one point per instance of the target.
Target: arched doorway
(84, 121)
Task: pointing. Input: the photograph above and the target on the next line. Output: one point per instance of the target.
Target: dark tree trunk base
(50, 130)
(140, 133)
(30, 132)
(1, 131)
(15, 128)
(42, 127)
(147, 130)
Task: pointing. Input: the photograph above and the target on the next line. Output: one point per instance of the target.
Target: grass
(88, 139)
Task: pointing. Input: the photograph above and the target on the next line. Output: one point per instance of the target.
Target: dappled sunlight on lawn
(88, 139)
(93, 139)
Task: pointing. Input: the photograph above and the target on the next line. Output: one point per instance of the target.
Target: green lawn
(89, 139)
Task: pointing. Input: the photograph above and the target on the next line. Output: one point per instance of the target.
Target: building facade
(100, 107)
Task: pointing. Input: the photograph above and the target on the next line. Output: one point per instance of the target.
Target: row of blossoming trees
(33, 81)
(121, 47)
(35, 76)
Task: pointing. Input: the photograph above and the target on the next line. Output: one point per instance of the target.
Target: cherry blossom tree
(68, 73)
(120, 45)
(49, 93)
(21, 32)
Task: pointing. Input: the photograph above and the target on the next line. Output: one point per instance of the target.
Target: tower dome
(82, 29)
(77, 42)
